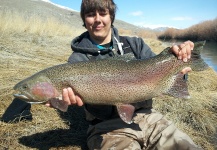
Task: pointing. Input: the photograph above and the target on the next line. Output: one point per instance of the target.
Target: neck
(102, 40)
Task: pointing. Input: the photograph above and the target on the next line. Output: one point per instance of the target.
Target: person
(150, 129)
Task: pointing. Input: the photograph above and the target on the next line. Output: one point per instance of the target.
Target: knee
(113, 142)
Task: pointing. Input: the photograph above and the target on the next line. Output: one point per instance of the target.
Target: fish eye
(25, 86)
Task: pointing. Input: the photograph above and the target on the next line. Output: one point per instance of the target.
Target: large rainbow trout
(113, 81)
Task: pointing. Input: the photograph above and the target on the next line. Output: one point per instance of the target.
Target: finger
(79, 101)
(184, 52)
(186, 70)
(188, 51)
(191, 44)
(65, 96)
(48, 104)
(175, 49)
(189, 48)
(71, 96)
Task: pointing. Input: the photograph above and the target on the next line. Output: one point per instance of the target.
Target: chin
(99, 35)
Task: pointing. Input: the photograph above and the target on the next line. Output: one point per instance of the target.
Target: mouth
(21, 96)
(27, 99)
(98, 28)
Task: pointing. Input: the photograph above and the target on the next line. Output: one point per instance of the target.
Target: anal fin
(179, 88)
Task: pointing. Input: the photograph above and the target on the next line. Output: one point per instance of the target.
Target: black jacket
(85, 50)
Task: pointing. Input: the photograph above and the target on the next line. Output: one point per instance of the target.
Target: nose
(97, 17)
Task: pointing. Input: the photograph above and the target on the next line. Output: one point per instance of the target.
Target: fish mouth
(27, 99)
(21, 96)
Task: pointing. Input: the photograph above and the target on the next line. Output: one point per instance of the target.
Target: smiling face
(98, 24)
(98, 17)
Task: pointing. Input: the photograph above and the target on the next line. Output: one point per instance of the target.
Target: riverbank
(202, 31)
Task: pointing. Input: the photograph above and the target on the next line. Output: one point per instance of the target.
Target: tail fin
(197, 63)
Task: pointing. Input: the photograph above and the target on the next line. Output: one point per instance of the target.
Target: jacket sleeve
(140, 48)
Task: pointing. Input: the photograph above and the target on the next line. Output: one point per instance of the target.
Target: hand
(183, 51)
(68, 97)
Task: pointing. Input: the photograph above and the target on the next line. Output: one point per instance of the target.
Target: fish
(114, 81)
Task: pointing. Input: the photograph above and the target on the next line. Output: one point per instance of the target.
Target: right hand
(70, 98)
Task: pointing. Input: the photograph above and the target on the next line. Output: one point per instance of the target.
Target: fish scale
(114, 81)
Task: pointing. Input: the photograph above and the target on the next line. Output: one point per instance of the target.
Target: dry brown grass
(19, 59)
(24, 53)
(13, 22)
(206, 30)
(196, 116)
(143, 33)
(24, 50)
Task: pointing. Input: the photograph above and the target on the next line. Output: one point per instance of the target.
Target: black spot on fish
(185, 77)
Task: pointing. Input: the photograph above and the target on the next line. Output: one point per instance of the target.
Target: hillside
(36, 35)
(46, 10)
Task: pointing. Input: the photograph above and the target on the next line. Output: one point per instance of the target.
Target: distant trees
(206, 30)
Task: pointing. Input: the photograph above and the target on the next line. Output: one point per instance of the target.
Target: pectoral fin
(126, 112)
(59, 104)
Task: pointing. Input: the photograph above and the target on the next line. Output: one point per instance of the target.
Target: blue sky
(159, 13)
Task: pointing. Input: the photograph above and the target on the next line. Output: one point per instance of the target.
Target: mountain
(160, 29)
(45, 9)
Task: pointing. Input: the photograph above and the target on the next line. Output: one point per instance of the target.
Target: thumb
(186, 70)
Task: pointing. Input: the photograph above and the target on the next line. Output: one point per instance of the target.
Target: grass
(29, 47)
(206, 30)
(33, 25)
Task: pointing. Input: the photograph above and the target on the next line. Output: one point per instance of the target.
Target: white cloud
(181, 18)
(136, 13)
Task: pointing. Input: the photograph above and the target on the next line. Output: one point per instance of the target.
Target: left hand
(183, 52)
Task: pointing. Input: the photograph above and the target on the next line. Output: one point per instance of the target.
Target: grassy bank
(27, 46)
(13, 22)
(206, 30)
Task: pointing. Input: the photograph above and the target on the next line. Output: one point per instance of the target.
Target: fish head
(36, 89)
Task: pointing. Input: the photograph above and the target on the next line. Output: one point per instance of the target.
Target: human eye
(90, 14)
(103, 13)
